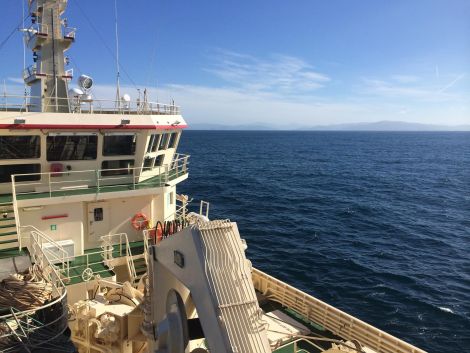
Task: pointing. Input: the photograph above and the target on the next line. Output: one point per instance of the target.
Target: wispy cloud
(278, 74)
(289, 92)
(452, 83)
(407, 86)
(231, 106)
(405, 78)
(16, 80)
(394, 89)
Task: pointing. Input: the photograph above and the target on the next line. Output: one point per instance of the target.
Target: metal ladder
(8, 230)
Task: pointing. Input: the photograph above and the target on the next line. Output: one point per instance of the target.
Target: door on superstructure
(98, 221)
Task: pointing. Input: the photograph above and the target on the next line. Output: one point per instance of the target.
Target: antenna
(118, 90)
(24, 54)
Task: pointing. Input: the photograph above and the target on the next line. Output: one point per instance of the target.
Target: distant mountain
(389, 126)
(375, 126)
(209, 126)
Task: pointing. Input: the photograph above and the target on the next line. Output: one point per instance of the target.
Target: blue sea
(374, 223)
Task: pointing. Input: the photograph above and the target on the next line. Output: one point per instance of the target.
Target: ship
(98, 251)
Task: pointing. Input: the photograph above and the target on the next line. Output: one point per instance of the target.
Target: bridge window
(148, 163)
(6, 172)
(159, 160)
(71, 147)
(173, 140)
(119, 144)
(19, 147)
(153, 143)
(118, 167)
(163, 142)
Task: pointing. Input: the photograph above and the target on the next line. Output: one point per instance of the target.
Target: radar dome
(75, 92)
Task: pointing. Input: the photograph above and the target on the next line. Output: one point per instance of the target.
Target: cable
(113, 54)
(12, 32)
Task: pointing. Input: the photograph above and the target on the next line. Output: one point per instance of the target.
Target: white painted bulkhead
(79, 222)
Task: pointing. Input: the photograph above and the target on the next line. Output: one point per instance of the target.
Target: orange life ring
(140, 221)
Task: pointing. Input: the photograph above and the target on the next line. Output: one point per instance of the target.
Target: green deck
(95, 262)
(154, 182)
(6, 199)
(7, 253)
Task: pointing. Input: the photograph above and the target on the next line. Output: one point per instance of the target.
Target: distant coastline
(375, 126)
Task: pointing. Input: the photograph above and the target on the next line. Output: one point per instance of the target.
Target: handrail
(180, 214)
(86, 104)
(108, 240)
(296, 342)
(54, 278)
(203, 204)
(100, 180)
(69, 32)
(42, 238)
(337, 321)
(15, 211)
(36, 28)
(87, 265)
(31, 70)
(26, 322)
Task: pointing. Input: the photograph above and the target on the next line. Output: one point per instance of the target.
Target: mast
(118, 69)
(48, 39)
(54, 67)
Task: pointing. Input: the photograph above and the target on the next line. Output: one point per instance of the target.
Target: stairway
(140, 266)
(8, 234)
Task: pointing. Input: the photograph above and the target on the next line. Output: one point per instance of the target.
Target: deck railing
(84, 267)
(35, 240)
(32, 70)
(69, 32)
(337, 321)
(82, 104)
(99, 181)
(119, 240)
(35, 29)
(298, 345)
(24, 319)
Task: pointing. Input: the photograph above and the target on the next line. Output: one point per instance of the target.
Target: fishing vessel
(98, 251)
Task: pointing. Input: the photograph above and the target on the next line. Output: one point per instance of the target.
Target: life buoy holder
(140, 221)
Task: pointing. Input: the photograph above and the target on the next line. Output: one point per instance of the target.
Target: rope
(25, 291)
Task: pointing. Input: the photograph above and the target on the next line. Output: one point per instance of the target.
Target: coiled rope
(27, 290)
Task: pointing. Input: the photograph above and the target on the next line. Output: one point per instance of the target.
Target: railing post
(15, 211)
(50, 186)
(185, 163)
(98, 172)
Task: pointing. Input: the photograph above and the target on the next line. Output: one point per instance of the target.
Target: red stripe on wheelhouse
(62, 126)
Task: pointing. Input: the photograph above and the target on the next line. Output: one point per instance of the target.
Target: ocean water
(374, 223)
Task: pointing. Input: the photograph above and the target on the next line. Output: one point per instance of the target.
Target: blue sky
(299, 62)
